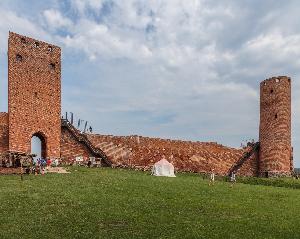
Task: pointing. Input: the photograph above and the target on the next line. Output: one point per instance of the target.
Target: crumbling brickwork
(72, 148)
(3, 132)
(275, 127)
(142, 152)
(34, 94)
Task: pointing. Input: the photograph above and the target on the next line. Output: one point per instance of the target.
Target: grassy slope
(106, 203)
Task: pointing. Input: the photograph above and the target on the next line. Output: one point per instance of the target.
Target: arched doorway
(38, 146)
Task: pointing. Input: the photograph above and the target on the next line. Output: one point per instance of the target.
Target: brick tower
(34, 95)
(275, 154)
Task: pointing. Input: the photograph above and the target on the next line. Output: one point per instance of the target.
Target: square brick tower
(34, 95)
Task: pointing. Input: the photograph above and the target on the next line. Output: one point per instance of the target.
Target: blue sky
(172, 69)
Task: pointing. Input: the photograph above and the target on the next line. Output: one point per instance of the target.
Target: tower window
(276, 116)
(36, 44)
(276, 80)
(272, 91)
(50, 48)
(19, 58)
(52, 66)
(35, 94)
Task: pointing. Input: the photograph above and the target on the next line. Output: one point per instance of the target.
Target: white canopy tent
(163, 168)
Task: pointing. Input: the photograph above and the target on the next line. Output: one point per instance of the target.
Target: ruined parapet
(187, 156)
(275, 156)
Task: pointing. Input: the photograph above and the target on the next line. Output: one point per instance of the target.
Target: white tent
(163, 168)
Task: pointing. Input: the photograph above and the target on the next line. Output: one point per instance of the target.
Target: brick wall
(34, 94)
(275, 126)
(185, 155)
(3, 132)
(72, 148)
(34, 108)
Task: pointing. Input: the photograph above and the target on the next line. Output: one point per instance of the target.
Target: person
(48, 163)
(232, 179)
(89, 163)
(27, 170)
(42, 170)
(212, 177)
(36, 168)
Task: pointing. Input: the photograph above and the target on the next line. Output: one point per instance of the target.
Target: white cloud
(98, 41)
(82, 5)
(55, 19)
(276, 43)
(11, 21)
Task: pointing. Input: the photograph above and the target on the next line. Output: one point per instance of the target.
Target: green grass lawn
(114, 203)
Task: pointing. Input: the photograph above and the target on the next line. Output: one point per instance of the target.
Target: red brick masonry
(275, 127)
(34, 94)
(143, 152)
(34, 109)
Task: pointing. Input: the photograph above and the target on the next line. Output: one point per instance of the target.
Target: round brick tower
(275, 156)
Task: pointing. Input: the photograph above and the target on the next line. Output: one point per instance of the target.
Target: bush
(275, 182)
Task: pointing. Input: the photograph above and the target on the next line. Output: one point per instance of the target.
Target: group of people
(39, 165)
(232, 178)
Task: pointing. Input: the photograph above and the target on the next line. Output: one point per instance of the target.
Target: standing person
(212, 177)
(36, 168)
(42, 170)
(232, 179)
(48, 163)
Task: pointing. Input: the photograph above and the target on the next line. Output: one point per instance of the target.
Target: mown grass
(115, 203)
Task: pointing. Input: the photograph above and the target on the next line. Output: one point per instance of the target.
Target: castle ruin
(34, 109)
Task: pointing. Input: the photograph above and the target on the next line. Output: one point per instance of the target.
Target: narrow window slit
(52, 66)
(19, 58)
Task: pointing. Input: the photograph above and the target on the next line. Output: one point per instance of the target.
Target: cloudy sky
(166, 68)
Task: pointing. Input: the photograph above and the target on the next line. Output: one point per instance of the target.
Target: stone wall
(275, 127)
(34, 94)
(72, 148)
(34, 109)
(143, 152)
(3, 132)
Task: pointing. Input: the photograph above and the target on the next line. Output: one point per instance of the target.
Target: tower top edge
(13, 35)
(276, 79)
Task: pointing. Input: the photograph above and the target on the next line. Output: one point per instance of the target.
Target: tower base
(274, 174)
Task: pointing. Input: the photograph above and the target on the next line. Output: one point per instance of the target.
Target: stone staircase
(116, 153)
(82, 138)
(235, 167)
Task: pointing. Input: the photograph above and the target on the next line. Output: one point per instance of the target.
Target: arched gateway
(38, 145)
